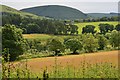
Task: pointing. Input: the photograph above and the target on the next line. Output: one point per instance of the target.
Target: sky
(86, 6)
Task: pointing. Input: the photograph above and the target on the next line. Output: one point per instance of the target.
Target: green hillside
(6, 9)
(57, 12)
(81, 25)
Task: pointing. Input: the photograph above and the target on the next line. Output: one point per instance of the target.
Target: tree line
(38, 25)
(112, 18)
(48, 26)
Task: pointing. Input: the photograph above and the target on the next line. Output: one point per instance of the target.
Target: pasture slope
(38, 64)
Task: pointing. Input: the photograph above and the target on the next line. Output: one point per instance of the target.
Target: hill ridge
(56, 12)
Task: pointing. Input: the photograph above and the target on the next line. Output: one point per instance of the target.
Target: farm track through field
(38, 64)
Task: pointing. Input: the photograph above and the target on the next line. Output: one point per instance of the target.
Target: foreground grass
(99, 57)
(85, 70)
(83, 66)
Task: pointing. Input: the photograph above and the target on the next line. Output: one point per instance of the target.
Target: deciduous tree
(73, 45)
(12, 40)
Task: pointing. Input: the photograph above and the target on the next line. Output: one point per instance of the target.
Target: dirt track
(40, 63)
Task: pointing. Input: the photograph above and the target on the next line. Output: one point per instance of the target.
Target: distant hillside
(6, 9)
(56, 12)
(100, 15)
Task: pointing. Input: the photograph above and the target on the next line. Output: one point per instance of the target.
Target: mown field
(81, 25)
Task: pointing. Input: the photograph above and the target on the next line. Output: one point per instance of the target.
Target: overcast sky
(86, 6)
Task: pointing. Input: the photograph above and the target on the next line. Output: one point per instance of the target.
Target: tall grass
(84, 70)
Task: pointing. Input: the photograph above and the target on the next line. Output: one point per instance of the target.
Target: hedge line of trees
(113, 18)
(104, 28)
(14, 44)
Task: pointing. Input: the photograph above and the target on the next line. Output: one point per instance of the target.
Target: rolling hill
(56, 12)
(6, 9)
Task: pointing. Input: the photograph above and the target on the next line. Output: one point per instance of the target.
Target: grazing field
(38, 64)
(81, 25)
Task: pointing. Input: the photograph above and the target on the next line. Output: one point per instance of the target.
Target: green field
(81, 25)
